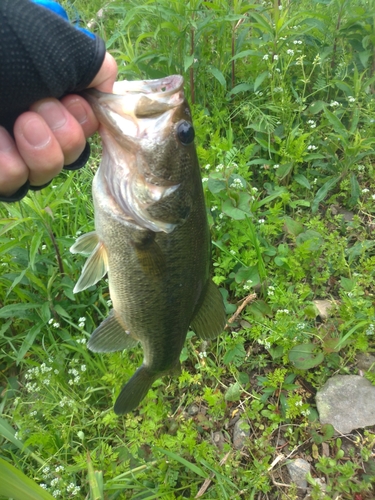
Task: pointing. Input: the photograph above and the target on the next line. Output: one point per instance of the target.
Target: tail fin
(134, 391)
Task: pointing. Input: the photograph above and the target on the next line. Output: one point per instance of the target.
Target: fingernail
(53, 114)
(36, 133)
(6, 143)
(78, 111)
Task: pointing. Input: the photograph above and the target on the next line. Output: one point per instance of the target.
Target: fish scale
(151, 232)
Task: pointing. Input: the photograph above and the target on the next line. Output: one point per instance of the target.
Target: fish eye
(185, 133)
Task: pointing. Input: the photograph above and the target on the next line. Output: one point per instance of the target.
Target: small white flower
(219, 167)
(373, 196)
(233, 252)
(44, 247)
(312, 147)
(51, 321)
(70, 487)
(46, 469)
(81, 325)
(261, 221)
(204, 179)
(275, 57)
(290, 52)
(276, 166)
(77, 379)
(54, 481)
(334, 104)
(56, 325)
(266, 57)
(351, 98)
(83, 368)
(203, 354)
(82, 320)
(59, 468)
(278, 90)
(207, 167)
(365, 190)
(43, 485)
(215, 207)
(236, 183)
(306, 412)
(78, 233)
(56, 493)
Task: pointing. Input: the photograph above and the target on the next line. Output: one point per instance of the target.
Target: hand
(52, 134)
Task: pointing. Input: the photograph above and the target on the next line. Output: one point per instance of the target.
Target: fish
(151, 231)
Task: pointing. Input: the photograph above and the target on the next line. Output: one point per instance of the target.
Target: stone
(347, 402)
(365, 361)
(298, 470)
(241, 432)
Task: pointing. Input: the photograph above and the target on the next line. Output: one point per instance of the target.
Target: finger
(38, 147)
(81, 110)
(106, 76)
(13, 170)
(65, 128)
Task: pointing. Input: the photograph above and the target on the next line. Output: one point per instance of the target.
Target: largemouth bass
(151, 233)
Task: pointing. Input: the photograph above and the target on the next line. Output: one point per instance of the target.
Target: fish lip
(161, 87)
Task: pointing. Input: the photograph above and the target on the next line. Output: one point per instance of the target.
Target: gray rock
(298, 470)
(193, 410)
(240, 433)
(365, 361)
(347, 402)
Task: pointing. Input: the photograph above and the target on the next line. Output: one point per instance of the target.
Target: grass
(285, 124)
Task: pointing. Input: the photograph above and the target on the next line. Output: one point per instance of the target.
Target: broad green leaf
(216, 185)
(344, 87)
(28, 342)
(260, 79)
(232, 211)
(245, 53)
(336, 124)
(316, 107)
(302, 180)
(218, 75)
(284, 170)
(188, 61)
(293, 227)
(355, 190)
(323, 191)
(242, 87)
(233, 393)
(34, 247)
(15, 485)
(305, 356)
(14, 309)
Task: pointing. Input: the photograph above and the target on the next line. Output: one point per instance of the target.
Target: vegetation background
(283, 102)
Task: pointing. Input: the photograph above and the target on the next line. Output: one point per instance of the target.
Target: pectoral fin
(94, 269)
(209, 320)
(85, 244)
(111, 335)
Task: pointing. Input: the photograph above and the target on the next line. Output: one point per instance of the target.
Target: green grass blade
(16, 485)
(197, 470)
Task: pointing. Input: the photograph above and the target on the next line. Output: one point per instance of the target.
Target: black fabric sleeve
(41, 55)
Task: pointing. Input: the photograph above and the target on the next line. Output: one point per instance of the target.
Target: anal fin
(209, 321)
(111, 335)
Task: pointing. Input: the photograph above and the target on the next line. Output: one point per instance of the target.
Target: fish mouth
(132, 101)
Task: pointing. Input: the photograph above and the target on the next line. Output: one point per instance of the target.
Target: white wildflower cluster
(275, 57)
(219, 167)
(44, 247)
(59, 468)
(82, 322)
(78, 233)
(311, 123)
(306, 412)
(214, 207)
(65, 402)
(259, 93)
(365, 190)
(54, 323)
(297, 42)
(361, 168)
(278, 90)
(276, 166)
(233, 252)
(38, 374)
(290, 52)
(207, 167)
(351, 99)
(109, 301)
(334, 104)
(73, 489)
(271, 291)
(282, 311)
(312, 147)
(265, 343)
(56, 493)
(301, 326)
(204, 179)
(247, 285)
(76, 375)
(82, 341)
(261, 221)
(266, 57)
(371, 329)
(46, 471)
(203, 354)
(236, 183)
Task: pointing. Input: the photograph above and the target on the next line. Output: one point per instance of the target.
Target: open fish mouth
(132, 102)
